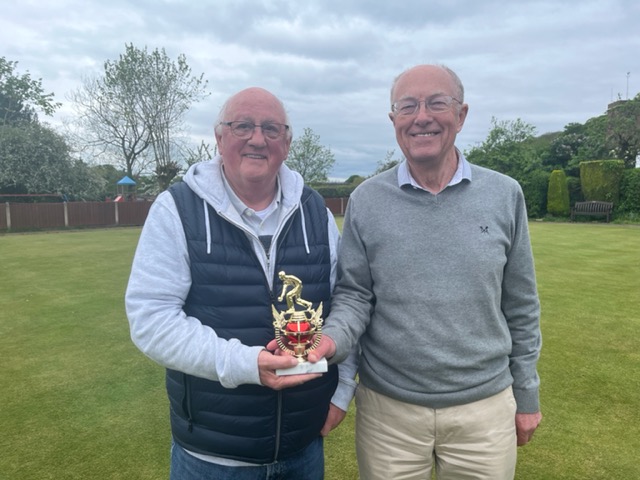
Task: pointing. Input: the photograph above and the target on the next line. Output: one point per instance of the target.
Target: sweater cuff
(527, 401)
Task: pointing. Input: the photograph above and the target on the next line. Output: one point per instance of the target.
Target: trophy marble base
(304, 367)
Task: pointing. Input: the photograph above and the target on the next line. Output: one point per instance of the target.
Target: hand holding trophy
(298, 331)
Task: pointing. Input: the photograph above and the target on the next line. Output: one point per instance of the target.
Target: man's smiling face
(257, 159)
(426, 136)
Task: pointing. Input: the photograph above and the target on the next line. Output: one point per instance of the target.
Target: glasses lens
(272, 130)
(242, 129)
(406, 107)
(439, 104)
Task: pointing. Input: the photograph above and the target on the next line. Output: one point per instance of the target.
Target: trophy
(298, 328)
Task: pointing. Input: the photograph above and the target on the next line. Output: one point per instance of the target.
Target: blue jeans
(306, 465)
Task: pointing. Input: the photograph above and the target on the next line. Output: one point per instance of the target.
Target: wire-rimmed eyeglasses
(435, 104)
(242, 129)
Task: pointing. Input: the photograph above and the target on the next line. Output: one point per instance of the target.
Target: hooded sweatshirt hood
(206, 180)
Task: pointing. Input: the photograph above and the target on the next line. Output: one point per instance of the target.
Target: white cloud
(332, 62)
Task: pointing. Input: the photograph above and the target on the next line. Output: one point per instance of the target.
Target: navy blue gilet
(230, 293)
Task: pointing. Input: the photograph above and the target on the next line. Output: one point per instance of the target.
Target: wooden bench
(593, 208)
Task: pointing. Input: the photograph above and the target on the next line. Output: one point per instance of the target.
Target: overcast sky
(332, 62)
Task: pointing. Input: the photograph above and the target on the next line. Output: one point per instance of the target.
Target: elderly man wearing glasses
(436, 281)
(199, 299)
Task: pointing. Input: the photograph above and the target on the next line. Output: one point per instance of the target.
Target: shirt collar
(245, 211)
(463, 172)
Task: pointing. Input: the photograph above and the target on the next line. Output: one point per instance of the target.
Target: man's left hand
(334, 418)
(526, 424)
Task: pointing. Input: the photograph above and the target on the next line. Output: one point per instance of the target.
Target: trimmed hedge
(600, 180)
(558, 194)
(335, 190)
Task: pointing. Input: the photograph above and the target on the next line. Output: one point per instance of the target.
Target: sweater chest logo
(484, 230)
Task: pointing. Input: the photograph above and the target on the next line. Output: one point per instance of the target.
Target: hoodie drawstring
(304, 230)
(207, 226)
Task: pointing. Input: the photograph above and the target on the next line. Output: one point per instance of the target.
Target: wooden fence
(46, 216)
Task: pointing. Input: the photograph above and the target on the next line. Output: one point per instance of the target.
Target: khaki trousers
(402, 441)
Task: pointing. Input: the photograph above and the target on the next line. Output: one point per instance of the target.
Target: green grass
(78, 401)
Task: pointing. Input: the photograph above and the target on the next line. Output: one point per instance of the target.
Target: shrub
(575, 191)
(630, 191)
(600, 180)
(535, 188)
(336, 190)
(558, 194)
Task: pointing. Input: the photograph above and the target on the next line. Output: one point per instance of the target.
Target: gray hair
(456, 82)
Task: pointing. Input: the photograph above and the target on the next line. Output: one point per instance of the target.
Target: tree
(309, 158)
(510, 149)
(35, 159)
(20, 95)
(133, 114)
(624, 130)
(388, 162)
(199, 154)
(507, 149)
(577, 143)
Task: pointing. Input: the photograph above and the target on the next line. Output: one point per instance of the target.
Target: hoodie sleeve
(158, 287)
(347, 369)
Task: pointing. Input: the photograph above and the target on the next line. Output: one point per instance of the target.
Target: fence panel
(337, 205)
(91, 214)
(3, 216)
(133, 213)
(36, 215)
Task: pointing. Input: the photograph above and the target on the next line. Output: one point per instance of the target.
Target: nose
(422, 108)
(257, 136)
(423, 114)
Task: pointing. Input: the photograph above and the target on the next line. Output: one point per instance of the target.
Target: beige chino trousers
(402, 441)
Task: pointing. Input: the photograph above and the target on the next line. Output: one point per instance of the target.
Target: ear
(462, 115)
(287, 146)
(218, 137)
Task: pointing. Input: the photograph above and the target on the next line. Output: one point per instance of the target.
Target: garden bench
(593, 208)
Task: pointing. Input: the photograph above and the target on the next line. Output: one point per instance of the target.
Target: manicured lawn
(79, 401)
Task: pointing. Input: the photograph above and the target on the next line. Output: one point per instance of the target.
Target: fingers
(334, 418)
(272, 346)
(526, 424)
(325, 349)
(268, 363)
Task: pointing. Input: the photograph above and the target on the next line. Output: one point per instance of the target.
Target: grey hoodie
(160, 281)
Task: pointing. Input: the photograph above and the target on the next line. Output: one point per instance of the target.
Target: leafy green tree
(35, 159)
(507, 149)
(510, 149)
(309, 158)
(624, 130)
(133, 114)
(21, 96)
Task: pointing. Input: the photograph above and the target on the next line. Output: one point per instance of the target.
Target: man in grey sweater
(436, 282)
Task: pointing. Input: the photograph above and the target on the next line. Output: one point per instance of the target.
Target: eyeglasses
(245, 129)
(437, 104)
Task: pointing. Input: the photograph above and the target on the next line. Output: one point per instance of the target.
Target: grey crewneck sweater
(440, 291)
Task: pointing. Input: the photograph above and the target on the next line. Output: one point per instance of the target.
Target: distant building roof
(126, 181)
